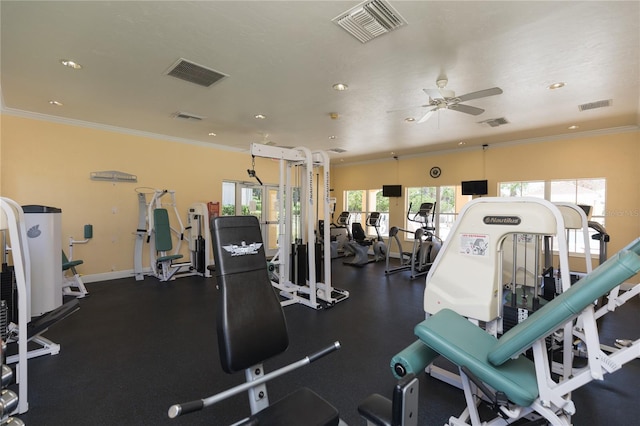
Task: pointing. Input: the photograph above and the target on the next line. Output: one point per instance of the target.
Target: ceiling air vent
(337, 150)
(495, 122)
(370, 19)
(194, 73)
(596, 104)
(187, 116)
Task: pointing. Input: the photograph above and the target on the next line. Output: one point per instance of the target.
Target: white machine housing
(467, 273)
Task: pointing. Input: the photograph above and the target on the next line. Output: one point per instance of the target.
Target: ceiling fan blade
(407, 108)
(480, 94)
(467, 109)
(433, 93)
(427, 115)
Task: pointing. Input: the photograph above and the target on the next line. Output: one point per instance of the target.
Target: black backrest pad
(358, 232)
(251, 324)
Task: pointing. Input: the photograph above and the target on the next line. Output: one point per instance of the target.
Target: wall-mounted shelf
(113, 176)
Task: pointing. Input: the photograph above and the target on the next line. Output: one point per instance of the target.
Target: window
(228, 198)
(522, 189)
(362, 202)
(588, 192)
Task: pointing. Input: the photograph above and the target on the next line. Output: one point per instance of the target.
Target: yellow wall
(613, 156)
(49, 164)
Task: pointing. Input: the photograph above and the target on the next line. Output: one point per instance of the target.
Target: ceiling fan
(443, 98)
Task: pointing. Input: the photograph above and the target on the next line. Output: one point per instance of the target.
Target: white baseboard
(107, 276)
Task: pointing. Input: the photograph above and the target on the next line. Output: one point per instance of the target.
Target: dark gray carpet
(135, 348)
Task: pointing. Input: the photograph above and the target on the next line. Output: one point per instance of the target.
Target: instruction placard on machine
(474, 244)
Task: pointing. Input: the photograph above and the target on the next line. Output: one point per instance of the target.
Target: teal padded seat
(66, 264)
(465, 344)
(496, 362)
(162, 237)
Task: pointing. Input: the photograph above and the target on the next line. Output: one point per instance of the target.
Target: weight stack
(9, 292)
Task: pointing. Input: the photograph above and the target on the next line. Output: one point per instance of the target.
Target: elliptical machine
(426, 244)
(340, 236)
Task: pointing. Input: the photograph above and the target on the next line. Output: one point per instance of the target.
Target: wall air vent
(495, 122)
(596, 104)
(337, 150)
(194, 73)
(186, 116)
(370, 19)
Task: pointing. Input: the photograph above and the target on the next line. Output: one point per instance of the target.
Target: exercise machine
(72, 284)
(27, 333)
(341, 234)
(425, 248)
(494, 372)
(252, 328)
(165, 241)
(360, 244)
(295, 261)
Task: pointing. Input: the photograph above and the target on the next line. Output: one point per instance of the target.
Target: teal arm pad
(412, 360)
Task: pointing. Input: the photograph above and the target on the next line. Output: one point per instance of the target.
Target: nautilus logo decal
(243, 248)
(34, 231)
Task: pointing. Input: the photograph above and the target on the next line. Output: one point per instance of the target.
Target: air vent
(194, 73)
(370, 19)
(337, 150)
(594, 105)
(187, 116)
(495, 122)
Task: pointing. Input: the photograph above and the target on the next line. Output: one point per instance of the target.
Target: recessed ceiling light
(212, 134)
(332, 137)
(55, 103)
(409, 119)
(574, 127)
(260, 116)
(340, 87)
(69, 63)
(461, 143)
(556, 85)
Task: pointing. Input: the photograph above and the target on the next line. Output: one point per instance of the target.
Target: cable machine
(307, 287)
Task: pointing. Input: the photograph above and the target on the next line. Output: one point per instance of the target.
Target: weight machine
(72, 284)
(154, 228)
(307, 288)
(27, 333)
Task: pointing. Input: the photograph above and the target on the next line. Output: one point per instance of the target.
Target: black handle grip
(185, 408)
(323, 352)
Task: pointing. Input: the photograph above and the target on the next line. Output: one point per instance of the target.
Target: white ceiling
(283, 57)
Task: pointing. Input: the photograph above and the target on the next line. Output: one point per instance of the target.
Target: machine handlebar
(197, 405)
(185, 408)
(324, 352)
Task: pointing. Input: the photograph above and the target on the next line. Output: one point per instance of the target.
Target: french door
(261, 201)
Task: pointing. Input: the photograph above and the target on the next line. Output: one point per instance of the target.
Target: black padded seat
(359, 235)
(302, 407)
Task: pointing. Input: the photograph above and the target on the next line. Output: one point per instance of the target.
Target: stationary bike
(360, 244)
